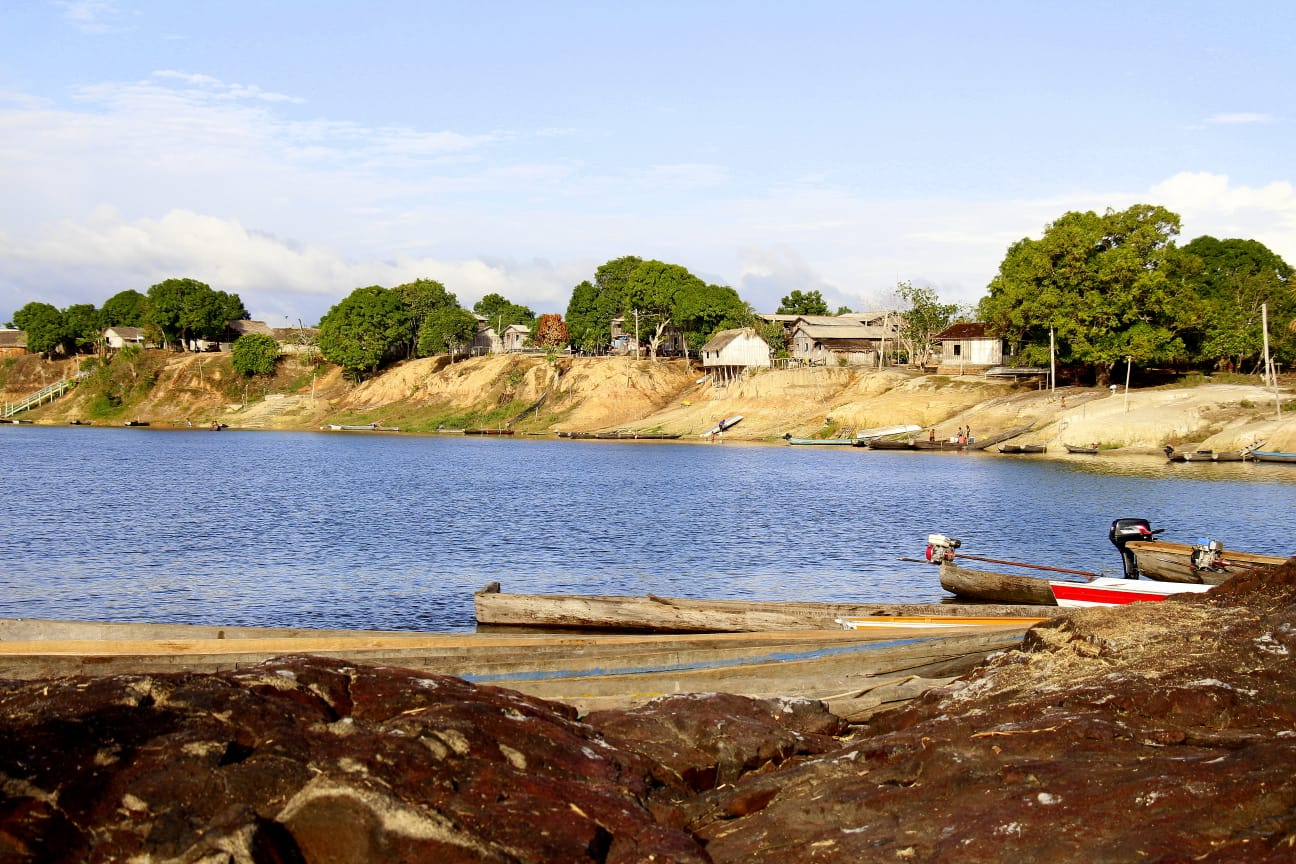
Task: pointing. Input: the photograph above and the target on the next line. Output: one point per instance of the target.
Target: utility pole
(636, 314)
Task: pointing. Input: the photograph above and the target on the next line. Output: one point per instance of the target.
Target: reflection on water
(396, 532)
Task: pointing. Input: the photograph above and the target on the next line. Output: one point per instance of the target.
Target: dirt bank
(532, 394)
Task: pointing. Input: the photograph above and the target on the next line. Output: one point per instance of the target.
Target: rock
(306, 759)
(1151, 732)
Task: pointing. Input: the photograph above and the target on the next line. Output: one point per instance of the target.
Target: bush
(255, 354)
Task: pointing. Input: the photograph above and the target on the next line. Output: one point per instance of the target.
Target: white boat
(1114, 591)
(884, 431)
(727, 423)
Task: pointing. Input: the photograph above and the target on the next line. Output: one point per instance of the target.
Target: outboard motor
(1206, 555)
(1124, 531)
(941, 548)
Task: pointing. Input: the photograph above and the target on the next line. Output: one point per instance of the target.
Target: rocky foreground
(1156, 732)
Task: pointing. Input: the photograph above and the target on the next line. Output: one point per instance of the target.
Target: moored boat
(723, 425)
(1204, 563)
(1090, 450)
(653, 614)
(488, 431)
(1023, 448)
(988, 586)
(1115, 591)
(822, 441)
(1270, 456)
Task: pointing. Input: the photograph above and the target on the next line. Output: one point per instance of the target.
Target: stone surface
(1160, 732)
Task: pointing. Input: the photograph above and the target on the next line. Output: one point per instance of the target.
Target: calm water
(396, 532)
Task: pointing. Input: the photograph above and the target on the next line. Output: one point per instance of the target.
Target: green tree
(593, 305)
(499, 312)
(1233, 279)
(185, 309)
(81, 323)
(422, 297)
(703, 310)
(123, 309)
(255, 354)
(655, 293)
(925, 317)
(363, 329)
(1102, 283)
(448, 330)
(46, 329)
(803, 303)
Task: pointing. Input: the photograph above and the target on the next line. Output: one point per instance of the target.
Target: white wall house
(120, 337)
(967, 348)
(730, 353)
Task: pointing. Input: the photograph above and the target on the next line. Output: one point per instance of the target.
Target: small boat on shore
(652, 614)
(1023, 448)
(488, 431)
(819, 441)
(1205, 563)
(621, 435)
(1090, 450)
(723, 425)
(1271, 456)
(365, 427)
(1115, 591)
(988, 586)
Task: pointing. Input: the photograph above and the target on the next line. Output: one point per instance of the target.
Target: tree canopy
(1101, 283)
(123, 309)
(362, 329)
(1233, 279)
(422, 297)
(803, 303)
(924, 318)
(449, 329)
(184, 309)
(593, 305)
(44, 325)
(500, 313)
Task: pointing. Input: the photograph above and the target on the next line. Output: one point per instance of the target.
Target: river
(380, 531)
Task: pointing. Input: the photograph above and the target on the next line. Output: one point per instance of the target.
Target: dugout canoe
(1165, 561)
(988, 586)
(652, 614)
(855, 671)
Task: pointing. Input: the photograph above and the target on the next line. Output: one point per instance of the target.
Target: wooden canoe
(651, 614)
(1172, 562)
(984, 585)
(1023, 448)
(855, 671)
(1076, 448)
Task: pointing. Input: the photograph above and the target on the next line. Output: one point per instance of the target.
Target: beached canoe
(987, 586)
(1076, 448)
(856, 672)
(1023, 448)
(1271, 456)
(653, 614)
(1202, 563)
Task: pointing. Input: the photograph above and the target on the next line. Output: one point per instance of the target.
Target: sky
(292, 151)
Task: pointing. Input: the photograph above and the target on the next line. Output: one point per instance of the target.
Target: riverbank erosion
(1153, 732)
(532, 394)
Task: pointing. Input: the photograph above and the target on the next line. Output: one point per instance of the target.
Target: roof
(836, 332)
(13, 338)
(721, 340)
(965, 330)
(294, 334)
(244, 327)
(127, 332)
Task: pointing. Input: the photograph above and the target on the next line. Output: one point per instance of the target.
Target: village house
(967, 348)
(487, 341)
(730, 354)
(13, 343)
(119, 337)
(852, 338)
(296, 340)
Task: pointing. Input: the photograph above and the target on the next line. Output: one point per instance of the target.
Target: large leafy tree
(1233, 280)
(654, 294)
(123, 309)
(81, 323)
(593, 305)
(450, 330)
(185, 309)
(803, 303)
(46, 329)
(422, 297)
(363, 329)
(703, 310)
(924, 317)
(499, 312)
(1102, 283)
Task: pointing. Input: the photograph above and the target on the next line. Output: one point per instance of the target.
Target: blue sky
(293, 151)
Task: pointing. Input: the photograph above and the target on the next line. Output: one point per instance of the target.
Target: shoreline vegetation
(533, 395)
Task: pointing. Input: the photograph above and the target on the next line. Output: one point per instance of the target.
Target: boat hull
(1271, 456)
(984, 585)
(1109, 591)
(1172, 562)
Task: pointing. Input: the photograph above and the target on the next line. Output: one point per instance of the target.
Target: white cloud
(90, 16)
(1211, 204)
(1239, 119)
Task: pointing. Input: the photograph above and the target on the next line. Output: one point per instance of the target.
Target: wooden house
(967, 348)
(119, 337)
(729, 354)
(487, 341)
(13, 343)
